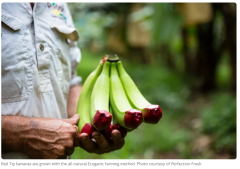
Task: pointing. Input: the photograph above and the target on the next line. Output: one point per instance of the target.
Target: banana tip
(102, 119)
(89, 129)
(133, 118)
(152, 114)
(107, 133)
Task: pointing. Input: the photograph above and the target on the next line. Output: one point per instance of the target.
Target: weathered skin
(42, 138)
(39, 137)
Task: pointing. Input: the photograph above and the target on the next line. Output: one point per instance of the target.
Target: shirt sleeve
(74, 51)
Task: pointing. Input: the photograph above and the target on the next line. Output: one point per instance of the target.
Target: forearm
(13, 129)
(19, 133)
(72, 101)
(39, 137)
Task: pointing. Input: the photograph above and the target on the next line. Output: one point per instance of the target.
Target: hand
(52, 139)
(39, 137)
(101, 145)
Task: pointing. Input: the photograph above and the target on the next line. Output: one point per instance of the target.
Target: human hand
(101, 145)
(51, 138)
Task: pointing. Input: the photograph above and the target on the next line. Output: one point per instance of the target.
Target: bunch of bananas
(109, 96)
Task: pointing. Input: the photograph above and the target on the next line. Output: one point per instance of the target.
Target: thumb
(73, 120)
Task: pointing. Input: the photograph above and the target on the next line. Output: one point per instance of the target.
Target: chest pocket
(16, 69)
(63, 34)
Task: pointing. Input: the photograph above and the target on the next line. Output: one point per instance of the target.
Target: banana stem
(104, 59)
(113, 58)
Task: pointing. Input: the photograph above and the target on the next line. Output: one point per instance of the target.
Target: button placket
(44, 55)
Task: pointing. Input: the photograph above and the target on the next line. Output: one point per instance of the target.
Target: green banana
(151, 113)
(125, 115)
(99, 109)
(83, 108)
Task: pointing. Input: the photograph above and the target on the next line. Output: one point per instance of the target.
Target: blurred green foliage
(167, 24)
(219, 120)
(223, 73)
(162, 84)
(91, 24)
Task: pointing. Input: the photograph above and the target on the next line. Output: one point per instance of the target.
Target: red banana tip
(107, 133)
(102, 119)
(133, 118)
(120, 128)
(89, 129)
(152, 114)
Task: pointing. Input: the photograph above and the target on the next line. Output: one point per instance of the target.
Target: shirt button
(41, 47)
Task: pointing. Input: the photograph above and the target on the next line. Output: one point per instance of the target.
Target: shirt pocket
(63, 34)
(16, 68)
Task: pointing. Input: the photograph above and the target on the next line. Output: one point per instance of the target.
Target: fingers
(76, 133)
(117, 139)
(73, 120)
(77, 142)
(73, 131)
(102, 143)
(69, 151)
(87, 143)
